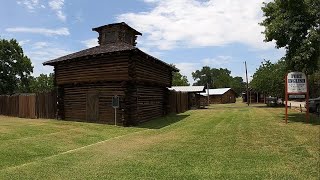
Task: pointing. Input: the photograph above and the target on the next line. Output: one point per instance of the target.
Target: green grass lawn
(224, 142)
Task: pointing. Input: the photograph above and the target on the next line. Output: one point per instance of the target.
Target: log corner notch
(114, 67)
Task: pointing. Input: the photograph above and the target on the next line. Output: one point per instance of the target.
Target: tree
(314, 84)
(295, 26)
(218, 78)
(238, 85)
(15, 67)
(42, 83)
(203, 76)
(179, 79)
(269, 78)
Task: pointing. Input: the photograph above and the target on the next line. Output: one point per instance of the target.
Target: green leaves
(269, 78)
(179, 80)
(15, 67)
(218, 78)
(295, 26)
(42, 83)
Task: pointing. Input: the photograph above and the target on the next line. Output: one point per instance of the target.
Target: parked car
(314, 105)
(271, 101)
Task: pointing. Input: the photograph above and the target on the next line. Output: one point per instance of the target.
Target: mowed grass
(224, 142)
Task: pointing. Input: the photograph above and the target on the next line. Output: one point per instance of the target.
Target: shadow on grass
(162, 122)
(271, 107)
(301, 118)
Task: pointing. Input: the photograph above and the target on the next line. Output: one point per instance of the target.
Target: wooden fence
(43, 105)
(178, 102)
(40, 105)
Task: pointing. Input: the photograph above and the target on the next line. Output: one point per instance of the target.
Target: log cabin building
(87, 80)
(193, 94)
(219, 96)
(254, 97)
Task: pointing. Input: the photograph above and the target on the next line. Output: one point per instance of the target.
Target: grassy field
(224, 142)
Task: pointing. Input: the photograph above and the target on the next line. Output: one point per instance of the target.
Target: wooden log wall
(150, 102)
(130, 105)
(228, 97)
(147, 70)
(100, 68)
(75, 102)
(141, 81)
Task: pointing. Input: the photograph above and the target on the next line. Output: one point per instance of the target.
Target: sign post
(115, 105)
(296, 86)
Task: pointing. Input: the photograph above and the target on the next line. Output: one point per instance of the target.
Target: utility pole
(208, 94)
(248, 102)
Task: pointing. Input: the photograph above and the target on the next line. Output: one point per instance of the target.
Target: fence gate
(92, 106)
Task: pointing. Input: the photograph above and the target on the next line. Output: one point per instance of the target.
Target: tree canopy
(42, 83)
(218, 78)
(269, 78)
(178, 79)
(295, 26)
(15, 67)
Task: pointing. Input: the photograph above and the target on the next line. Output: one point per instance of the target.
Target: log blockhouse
(87, 80)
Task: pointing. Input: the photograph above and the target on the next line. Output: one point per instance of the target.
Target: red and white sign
(296, 82)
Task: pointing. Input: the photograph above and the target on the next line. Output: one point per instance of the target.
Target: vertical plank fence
(46, 105)
(178, 102)
(40, 105)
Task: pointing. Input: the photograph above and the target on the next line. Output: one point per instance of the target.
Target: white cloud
(187, 68)
(90, 42)
(192, 23)
(23, 42)
(31, 4)
(57, 5)
(40, 45)
(40, 52)
(249, 77)
(48, 32)
(218, 61)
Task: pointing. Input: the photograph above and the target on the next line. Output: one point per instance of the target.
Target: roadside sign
(297, 96)
(296, 86)
(115, 105)
(115, 101)
(297, 82)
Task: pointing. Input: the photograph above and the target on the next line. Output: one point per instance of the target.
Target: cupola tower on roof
(116, 33)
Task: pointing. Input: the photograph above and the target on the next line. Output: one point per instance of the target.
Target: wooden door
(92, 106)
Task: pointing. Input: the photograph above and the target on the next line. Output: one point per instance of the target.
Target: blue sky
(188, 33)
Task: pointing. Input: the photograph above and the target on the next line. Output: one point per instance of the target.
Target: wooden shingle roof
(92, 51)
(116, 24)
(98, 50)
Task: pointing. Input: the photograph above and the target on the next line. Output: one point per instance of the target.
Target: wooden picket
(42, 105)
(178, 102)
